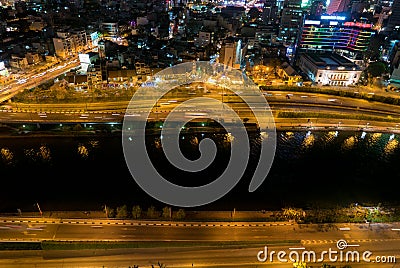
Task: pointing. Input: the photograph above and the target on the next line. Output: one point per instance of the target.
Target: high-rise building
(337, 6)
(270, 11)
(334, 33)
(292, 16)
(394, 19)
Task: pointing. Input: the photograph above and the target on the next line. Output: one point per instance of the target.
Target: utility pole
(105, 209)
(40, 211)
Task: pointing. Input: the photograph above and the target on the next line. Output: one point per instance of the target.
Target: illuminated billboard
(313, 22)
(95, 38)
(84, 59)
(323, 17)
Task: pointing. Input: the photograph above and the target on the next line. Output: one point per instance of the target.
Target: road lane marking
(344, 229)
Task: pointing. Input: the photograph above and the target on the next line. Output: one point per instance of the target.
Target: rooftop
(330, 61)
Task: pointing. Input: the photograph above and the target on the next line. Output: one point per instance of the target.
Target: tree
(300, 265)
(122, 212)
(376, 69)
(180, 214)
(152, 212)
(275, 63)
(136, 212)
(296, 214)
(110, 213)
(166, 212)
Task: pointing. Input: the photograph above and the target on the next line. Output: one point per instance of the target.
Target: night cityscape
(189, 133)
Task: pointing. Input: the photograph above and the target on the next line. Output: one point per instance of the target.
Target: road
(34, 79)
(380, 239)
(113, 112)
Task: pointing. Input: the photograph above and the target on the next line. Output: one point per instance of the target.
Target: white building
(70, 42)
(111, 29)
(329, 69)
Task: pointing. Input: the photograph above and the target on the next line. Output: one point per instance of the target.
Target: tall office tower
(270, 11)
(334, 33)
(292, 16)
(337, 6)
(394, 19)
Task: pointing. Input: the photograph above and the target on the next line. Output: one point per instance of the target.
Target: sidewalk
(189, 215)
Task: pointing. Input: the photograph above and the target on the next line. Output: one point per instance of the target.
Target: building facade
(329, 69)
(334, 33)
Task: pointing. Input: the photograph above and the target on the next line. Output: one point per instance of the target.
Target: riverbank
(355, 213)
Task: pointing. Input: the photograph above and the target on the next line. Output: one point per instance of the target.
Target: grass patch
(335, 116)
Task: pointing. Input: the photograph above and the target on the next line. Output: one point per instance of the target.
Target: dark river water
(310, 168)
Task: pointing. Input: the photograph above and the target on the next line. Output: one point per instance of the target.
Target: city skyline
(188, 133)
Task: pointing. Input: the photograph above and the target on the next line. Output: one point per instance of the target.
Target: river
(317, 168)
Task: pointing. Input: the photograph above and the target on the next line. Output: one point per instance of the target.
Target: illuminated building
(4, 74)
(110, 28)
(337, 6)
(292, 16)
(68, 42)
(333, 33)
(329, 69)
(231, 53)
(394, 19)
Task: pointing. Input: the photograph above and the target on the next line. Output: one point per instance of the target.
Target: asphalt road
(380, 239)
(114, 111)
(31, 79)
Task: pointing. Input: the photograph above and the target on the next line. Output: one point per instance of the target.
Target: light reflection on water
(7, 156)
(289, 144)
(302, 158)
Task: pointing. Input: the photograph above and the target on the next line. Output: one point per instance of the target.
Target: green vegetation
(288, 114)
(180, 215)
(376, 69)
(62, 92)
(335, 92)
(152, 213)
(352, 214)
(166, 213)
(122, 212)
(136, 212)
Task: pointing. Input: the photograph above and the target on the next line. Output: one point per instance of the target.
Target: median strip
(79, 245)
